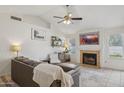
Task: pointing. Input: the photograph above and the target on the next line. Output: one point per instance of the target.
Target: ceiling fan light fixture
(64, 21)
(68, 19)
(70, 14)
(67, 22)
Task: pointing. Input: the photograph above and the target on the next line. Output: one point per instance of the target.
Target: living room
(26, 32)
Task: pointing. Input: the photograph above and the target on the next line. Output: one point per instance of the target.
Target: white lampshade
(15, 47)
(66, 44)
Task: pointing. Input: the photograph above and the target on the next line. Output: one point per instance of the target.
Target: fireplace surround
(90, 58)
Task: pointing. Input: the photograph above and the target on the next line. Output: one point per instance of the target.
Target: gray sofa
(22, 73)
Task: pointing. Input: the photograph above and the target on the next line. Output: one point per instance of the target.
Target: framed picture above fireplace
(91, 38)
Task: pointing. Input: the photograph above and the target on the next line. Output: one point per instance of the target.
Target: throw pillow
(54, 58)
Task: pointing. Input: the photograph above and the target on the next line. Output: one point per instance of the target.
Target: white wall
(36, 21)
(12, 31)
(105, 61)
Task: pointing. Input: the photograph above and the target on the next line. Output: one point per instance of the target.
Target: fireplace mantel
(90, 58)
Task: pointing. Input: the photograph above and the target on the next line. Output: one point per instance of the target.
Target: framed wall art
(56, 42)
(91, 38)
(38, 34)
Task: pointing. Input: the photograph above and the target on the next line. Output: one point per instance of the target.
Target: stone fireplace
(90, 58)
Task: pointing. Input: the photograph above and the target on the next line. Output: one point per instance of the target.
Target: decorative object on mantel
(38, 34)
(56, 42)
(91, 38)
(15, 48)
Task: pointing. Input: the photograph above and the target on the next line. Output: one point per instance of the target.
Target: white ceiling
(93, 16)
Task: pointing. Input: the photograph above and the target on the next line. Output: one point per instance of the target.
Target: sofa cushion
(61, 57)
(54, 58)
(64, 57)
(67, 57)
(68, 66)
(32, 63)
(27, 61)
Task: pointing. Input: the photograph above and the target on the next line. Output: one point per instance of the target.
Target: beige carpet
(101, 78)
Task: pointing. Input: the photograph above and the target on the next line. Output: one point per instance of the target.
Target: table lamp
(16, 48)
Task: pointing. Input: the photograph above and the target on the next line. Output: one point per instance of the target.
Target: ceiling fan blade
(79, 18)
(60, 21)
(58, 17)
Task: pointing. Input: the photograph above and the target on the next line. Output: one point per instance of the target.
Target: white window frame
(115, 53)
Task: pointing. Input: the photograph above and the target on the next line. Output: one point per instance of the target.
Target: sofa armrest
(22, 74)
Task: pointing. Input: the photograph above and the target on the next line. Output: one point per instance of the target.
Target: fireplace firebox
(89, 58)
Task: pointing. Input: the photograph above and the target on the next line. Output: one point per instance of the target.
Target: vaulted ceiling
(93, 16)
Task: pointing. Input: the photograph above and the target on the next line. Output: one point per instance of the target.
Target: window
(72, 45)
(116, 48)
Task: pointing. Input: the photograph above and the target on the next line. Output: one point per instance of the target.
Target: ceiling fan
(67, 19)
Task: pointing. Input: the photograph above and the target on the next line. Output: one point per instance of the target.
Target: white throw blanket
(45, 74)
